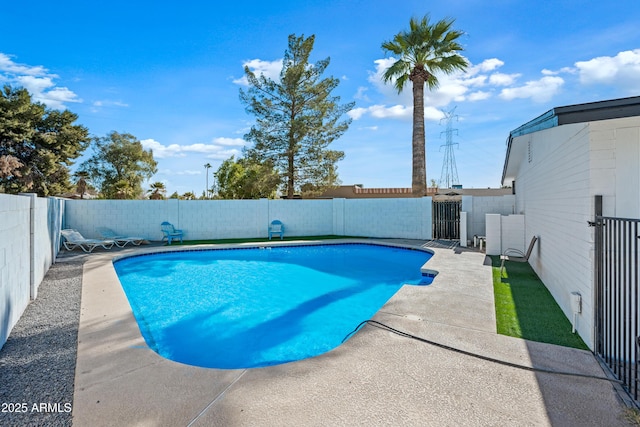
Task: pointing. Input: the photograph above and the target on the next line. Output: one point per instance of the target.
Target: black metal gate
(446, 219)
(617, 326)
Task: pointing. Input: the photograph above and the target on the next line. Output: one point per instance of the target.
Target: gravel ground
(37, 363)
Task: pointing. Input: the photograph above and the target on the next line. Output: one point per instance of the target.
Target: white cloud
(38, 81)
(269, 69)
(361, 93)
(161, 151)
(455, 87)
(218, 150)
(8, 66)
(108, 103)
(184, 172)
(538, 90)
(563, 70)
(479, 96)
(357, 113)
(229, 141)
(622, 70)
(396, 111)
(501, 79)
(489, 65)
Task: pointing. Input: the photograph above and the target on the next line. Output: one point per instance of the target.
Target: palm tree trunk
(419, 173)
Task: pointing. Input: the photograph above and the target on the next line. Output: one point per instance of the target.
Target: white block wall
(218, 219)
(552, 190)
(512, 233)
(480, 206)
(494, 234)
(403, 218)
(30, 230)
(555, 188)
(15, 270)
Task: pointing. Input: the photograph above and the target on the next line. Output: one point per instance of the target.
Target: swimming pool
(254, 307)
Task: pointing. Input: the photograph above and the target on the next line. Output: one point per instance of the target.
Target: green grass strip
(526, 309)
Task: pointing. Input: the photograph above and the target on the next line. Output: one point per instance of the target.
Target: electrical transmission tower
(449, 174)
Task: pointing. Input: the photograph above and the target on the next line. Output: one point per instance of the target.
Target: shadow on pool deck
(375, 378)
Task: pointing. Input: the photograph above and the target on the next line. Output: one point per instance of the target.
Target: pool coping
(120, 381)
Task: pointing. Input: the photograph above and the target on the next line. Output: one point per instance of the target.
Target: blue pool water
(242, 308)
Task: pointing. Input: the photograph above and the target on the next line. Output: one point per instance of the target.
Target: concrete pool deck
(375, 378)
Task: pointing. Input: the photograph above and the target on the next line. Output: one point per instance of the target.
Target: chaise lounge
(517, 255)
(119, 240)
(73, 239)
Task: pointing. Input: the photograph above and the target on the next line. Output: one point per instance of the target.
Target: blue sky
(170, 73)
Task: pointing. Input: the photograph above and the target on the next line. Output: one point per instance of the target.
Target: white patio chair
(120, 241)
(73, 239)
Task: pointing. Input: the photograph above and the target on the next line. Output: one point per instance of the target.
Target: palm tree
(157, 191)
(206, 171)
(81, 185)
(423, 51)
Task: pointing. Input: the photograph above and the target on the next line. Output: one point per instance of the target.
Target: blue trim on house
(545, 121)
(578, 113)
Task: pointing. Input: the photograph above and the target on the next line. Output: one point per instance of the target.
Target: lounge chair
(517, 255)
(73, 239)
(120, 241)
(276, 227)
(170, 232)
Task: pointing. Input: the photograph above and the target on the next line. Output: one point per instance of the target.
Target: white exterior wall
(14, 261)
(569, 165)
(615, 166)
(30, 229)
(512, 233)
(481, 206)
(45, 238)
(552, 190)
(218, 219)
(309, 218)
(404, 218)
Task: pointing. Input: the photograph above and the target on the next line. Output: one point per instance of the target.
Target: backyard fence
(446, 219)
(617, 322)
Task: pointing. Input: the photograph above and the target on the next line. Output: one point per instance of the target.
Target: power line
(449, 174)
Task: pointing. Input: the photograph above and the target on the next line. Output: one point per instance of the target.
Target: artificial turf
(526, 309)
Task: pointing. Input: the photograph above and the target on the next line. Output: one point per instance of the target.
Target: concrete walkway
(375, 379)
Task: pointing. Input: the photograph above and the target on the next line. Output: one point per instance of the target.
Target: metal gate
(617, 326)
(446, 219)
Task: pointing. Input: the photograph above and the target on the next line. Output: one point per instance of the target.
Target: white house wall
(615, 165)
(565, 167)
(553, 192)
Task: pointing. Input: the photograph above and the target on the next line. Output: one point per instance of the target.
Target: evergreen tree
(297, 119)
(119, 166)
(37, 145)
(246, 179)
